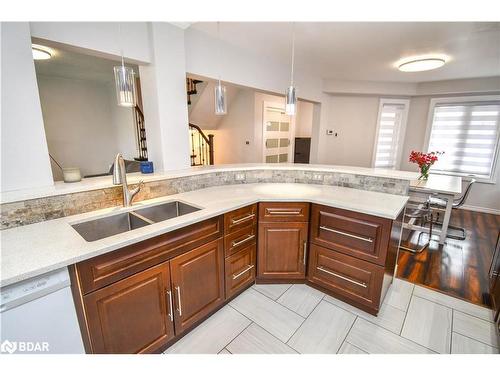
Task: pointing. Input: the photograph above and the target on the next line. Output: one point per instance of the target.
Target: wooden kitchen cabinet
(133, 314)
(240, 271)
(281, 250)
(197, 284)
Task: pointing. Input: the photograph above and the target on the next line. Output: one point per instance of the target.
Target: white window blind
(468, 134)
(389, 137)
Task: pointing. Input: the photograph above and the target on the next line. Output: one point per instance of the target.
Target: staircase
(202, 145)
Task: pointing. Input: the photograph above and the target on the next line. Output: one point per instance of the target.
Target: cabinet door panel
(281, 250)
(197, 283)
(131, 315)
(356, 280)
(362, 236)
(240, 270)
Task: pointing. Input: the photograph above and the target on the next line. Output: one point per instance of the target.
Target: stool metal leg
(419, 250)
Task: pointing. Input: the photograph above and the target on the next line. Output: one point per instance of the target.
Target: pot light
(421, 63)
(40, 52)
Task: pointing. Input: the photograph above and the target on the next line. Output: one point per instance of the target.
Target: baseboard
(481, 209)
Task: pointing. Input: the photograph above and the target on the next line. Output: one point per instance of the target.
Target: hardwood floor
(459, 268)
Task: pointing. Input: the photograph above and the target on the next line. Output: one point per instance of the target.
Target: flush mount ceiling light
(41, 52)
(421, 63)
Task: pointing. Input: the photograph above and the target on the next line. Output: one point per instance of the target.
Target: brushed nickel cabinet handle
(346, 234)
(178, 288)
(238, 243)
(342, 277)
(305, 252)
(171, 315)
(243, 272)
(251, 216)
(283, 212)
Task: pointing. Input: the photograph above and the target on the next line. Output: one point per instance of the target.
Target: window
(391, 125)
(467, 130)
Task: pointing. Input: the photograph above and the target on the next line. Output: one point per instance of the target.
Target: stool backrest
(463, 198)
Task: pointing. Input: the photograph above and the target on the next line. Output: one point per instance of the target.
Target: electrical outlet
(239, 177)
(317, 177)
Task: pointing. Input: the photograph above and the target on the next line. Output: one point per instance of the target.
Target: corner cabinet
(282, 244)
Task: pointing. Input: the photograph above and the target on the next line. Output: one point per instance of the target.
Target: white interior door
(277, 134)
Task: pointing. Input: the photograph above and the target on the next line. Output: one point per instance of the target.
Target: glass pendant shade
(291, 101)
(220, 99)
(125, 86)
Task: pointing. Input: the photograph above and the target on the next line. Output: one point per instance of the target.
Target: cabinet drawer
(240, 270)
(240, 239)
(283, 212)
(360, 235)
(353, 279)
(103, 270)
(242, 217)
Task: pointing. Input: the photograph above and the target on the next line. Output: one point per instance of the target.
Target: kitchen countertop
(94, 183)
(35, 249)
(436, 183)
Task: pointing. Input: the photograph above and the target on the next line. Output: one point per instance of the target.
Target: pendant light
(124, 80)
(220, 91)
(291, 98)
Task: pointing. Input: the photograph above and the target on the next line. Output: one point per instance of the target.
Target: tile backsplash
(35, 210)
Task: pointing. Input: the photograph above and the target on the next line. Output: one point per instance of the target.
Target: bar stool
(440, 204)
(423, 212)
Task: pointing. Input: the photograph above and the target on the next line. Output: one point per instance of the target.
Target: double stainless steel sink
(93, 230)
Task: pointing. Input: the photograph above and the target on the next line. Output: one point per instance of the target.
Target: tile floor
(282, 319)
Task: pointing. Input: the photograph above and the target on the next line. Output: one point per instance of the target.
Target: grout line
(275, 300)
(405, 338)
(282, 305)
(252, 321)
(349, 331)
(454, 308)
(315, 307)
(406, 315)
(451, 331)
(348, 342)
(238, 335)
(479, 342)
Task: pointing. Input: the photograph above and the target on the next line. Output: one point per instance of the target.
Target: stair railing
(202, 146)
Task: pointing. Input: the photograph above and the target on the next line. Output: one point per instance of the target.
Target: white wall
(234, 129)
(163, 86)
(101, 37)
(354, 119)
(304, 119)
(84, 126)
(25, 159)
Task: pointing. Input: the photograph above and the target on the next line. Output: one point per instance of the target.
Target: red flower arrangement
(424, 161)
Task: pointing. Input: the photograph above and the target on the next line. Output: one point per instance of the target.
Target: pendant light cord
(219, 52)
(293, 52)
(121, 44)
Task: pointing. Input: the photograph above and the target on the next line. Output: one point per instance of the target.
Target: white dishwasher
(38, 316)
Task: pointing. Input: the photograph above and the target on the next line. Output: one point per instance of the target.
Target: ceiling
(70, 64)
(368, 50)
